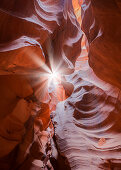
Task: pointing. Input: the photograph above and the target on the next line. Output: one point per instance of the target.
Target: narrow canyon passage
(60, 84)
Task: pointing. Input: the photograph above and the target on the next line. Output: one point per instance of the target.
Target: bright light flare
(54, 77)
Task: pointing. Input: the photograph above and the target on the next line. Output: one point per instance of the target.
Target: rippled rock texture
(88, 125)
(34, 33)
(101, 22)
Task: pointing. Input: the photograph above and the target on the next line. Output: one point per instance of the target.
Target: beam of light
(54, 79)
(53, 76)
(45, 77)
(38, 61)
(51, 79)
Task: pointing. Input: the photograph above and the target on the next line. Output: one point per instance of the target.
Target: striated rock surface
(101, 22)
(36, 35)
(34, 32)
(87, 124)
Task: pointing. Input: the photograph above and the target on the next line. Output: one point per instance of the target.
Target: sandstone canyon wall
(32, 33)
(87, 125)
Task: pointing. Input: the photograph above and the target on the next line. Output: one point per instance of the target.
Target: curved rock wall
(87, 124)
(101, 22)
(32, 33)
(38, 30)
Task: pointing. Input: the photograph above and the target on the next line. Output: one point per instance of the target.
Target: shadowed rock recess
(77, 124)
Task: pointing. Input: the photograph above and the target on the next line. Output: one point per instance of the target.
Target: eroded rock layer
(87, 125)
(32, 33)
(101, 22)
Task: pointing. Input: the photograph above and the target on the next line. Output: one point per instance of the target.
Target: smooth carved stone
(34, 34)
(22, 111)
(101, 22)
(87, 125)
(12, 127)
(12, 87)
(22, 58)
(43, 115)
(20, 85)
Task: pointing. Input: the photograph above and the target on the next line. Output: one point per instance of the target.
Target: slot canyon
(60, 84)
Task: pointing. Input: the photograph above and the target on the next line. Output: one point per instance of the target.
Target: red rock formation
(101, 22)
(38, 33)
(32, 33)
(87, 124)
